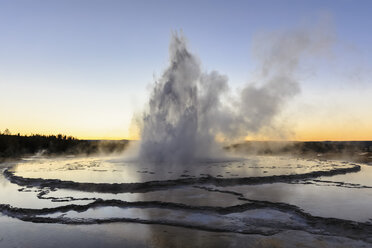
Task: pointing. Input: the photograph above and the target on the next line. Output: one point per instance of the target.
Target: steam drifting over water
(189, 108)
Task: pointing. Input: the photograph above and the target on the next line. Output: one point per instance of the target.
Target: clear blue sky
(66, 64)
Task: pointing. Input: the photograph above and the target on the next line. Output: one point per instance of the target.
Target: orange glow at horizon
(335, 134)
(306, 128)
(315, 134)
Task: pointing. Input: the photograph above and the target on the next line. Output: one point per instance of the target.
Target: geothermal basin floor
(257, 201)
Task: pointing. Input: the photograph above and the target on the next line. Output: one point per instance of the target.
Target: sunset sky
(83, 68)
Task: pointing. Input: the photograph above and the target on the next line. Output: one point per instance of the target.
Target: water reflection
(111, 170)
(326, 201)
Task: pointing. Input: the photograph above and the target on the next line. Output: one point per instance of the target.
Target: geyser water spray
(188, 108)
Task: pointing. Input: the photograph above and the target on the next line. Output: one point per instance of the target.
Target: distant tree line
(297, 147)
(12, 146)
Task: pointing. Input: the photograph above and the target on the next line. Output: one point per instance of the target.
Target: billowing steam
(189, 109)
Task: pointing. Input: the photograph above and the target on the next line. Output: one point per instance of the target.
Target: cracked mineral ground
(254, 201)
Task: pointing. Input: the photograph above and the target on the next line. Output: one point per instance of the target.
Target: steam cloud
(188, 108)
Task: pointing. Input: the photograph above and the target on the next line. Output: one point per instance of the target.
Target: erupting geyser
(189, 108)
(171, 126)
